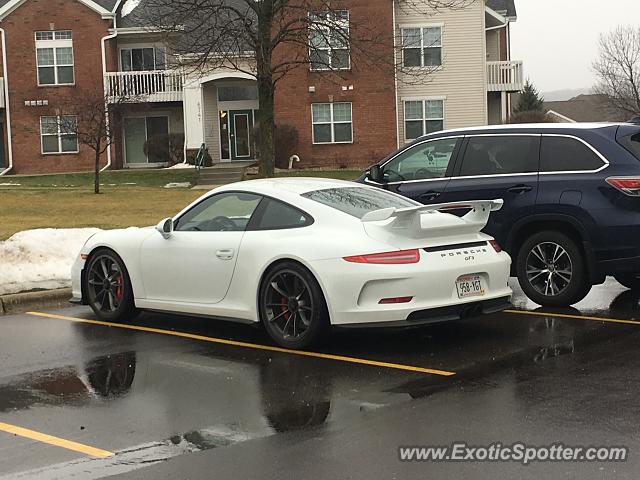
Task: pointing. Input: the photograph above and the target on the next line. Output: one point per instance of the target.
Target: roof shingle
(506, 7)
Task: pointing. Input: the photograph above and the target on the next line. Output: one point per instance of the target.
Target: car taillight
(388, 258)
(496, 246)
(627, 185)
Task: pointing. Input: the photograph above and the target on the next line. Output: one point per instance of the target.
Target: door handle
(520, 189)
(432, 195)
(226, 254)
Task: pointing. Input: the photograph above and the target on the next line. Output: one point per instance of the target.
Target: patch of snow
(129, 6)
(9, 184)
(178, 185)
(178, 166)
(40, 258)
(129, 183)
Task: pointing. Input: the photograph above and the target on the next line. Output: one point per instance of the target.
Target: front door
(195, 264)
(241, 125)
(422, 171)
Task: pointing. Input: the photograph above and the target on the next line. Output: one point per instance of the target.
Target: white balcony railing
(145, 86)
(505, 76)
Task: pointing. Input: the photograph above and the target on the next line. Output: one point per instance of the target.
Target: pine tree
(530, 100)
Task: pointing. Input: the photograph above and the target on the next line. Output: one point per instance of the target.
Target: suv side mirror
(165, 227)
(375, 174)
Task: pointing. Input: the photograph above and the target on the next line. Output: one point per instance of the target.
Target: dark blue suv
(571, 191)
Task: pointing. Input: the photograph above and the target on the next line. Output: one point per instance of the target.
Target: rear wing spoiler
(412, 218)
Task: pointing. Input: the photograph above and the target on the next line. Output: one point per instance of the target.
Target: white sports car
(300, 255)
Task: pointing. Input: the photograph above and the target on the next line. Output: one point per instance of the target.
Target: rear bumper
(442, 314)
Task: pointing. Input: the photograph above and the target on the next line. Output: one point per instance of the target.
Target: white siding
(462, 78)
(211, 122)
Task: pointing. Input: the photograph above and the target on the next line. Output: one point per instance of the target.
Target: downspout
(6, 99)
(395, 72)
(103, 41)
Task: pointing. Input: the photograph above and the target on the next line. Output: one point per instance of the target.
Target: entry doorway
(236, 132)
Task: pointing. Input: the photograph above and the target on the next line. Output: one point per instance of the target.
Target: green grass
(120, 178)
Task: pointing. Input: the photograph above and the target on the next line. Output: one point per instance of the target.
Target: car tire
(108, 288)
(552, 270)
(629, 280)
(292, 307)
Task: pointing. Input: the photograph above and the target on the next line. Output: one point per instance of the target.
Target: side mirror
(375, 174)
(165, 227)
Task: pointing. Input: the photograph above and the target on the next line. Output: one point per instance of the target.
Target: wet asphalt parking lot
(186, 398)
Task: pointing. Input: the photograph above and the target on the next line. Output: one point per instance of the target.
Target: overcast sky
(558, 39)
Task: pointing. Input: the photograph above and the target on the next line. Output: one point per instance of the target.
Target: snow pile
(179, 166)
(129, 6)
(178, 185)
(40, 258)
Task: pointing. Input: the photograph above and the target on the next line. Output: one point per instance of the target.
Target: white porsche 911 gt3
(300, 255)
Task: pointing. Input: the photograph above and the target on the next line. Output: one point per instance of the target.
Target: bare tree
(618, 69)
(91, 120)
(268, 38)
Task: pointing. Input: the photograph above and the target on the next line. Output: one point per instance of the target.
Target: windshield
(358, 201)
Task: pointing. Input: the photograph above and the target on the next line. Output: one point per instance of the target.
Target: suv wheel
(629, 280)
(551, 270)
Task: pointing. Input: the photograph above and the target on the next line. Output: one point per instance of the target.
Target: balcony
(144, 86)
(507, 76)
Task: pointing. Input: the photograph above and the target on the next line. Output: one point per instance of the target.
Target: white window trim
(331, 123)
(138, 46)
(330, 49)
(424, 118)
(422, 26)
(59, 135)
(55, 44)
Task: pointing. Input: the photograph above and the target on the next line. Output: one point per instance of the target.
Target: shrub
(531, 116)
(285, 143)
(165, 148)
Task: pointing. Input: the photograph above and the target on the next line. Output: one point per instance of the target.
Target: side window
(500, 155)
(225, 212)
(563, 154)
(276, 215)
(422, 161)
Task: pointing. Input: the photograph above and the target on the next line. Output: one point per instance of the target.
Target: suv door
(498, 166)
(422, 171)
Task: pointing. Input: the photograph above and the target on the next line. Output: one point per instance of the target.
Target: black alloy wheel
(108, 287)
(292, 307)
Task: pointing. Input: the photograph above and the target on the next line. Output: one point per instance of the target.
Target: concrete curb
(22, 302)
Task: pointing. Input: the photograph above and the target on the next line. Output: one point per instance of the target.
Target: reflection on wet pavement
(151, 397)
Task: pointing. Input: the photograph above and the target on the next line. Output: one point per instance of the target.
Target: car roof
(519, 127)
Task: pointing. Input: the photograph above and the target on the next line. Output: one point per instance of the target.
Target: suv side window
(275, 215)
(422, 161)
(565, 154)
(487, 155)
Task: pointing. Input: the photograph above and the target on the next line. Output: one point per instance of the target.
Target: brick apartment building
(52, 48)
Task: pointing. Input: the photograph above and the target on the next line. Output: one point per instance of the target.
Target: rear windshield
(358, 201)
(632, 143)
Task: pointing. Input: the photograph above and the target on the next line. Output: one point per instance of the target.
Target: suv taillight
(627, 185)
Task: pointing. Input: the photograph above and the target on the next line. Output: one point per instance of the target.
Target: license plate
(470, 286)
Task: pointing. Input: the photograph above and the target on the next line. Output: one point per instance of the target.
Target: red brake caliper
(119, 289)
(285, 305)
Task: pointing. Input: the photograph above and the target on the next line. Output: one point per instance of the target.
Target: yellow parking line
(234, 343)
(56, 441)
(575, 317)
